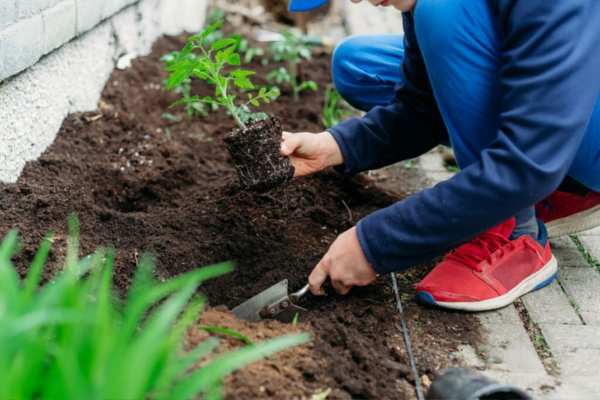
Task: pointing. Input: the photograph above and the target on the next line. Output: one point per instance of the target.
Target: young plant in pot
(254, 145)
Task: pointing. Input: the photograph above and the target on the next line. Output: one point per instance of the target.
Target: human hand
(345, 264)
(311, 152)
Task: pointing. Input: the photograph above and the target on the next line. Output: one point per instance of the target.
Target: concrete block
(508, 346)
(566, 253)
(551, 305)
(59, 25)
(540, 386)
(591, 232)
(591, 242)
(148, 13)
(575, 348)
(172, 19)
(8, 13)
(505, 316)
(30, 8)
(575, 387)
(21, 45)
(583, 286)
(89, 14)
(111, 7)
(127, 31)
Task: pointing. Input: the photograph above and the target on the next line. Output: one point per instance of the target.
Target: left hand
(345, 264)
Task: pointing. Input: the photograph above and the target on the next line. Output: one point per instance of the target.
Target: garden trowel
(274, 302)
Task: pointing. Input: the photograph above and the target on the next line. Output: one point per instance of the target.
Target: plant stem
(293, 67)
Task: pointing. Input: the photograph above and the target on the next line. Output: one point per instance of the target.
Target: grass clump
(72, 339)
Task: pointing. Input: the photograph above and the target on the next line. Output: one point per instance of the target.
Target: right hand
(311, 152)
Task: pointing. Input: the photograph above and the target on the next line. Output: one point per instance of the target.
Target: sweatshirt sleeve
(549, 85)
(407, 128)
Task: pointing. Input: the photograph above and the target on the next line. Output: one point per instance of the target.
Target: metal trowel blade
(250, 309)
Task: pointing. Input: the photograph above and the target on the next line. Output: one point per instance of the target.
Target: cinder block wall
(56, 55)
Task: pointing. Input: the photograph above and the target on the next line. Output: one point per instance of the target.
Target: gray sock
(526, 224)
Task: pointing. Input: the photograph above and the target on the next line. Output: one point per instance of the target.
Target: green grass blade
(72, 244)
(35, 271)
(224, 331)
(211, 374)
(9, 280)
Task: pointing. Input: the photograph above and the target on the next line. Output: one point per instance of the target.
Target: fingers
(340, 287)
(290, 143)
(320, 274)
(316, 279)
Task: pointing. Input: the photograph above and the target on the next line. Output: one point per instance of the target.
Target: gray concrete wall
(56, 56)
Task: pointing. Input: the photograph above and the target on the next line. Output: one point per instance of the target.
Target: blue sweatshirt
(549, 83)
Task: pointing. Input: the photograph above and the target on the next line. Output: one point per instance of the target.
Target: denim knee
(344, 68)
(435, 21)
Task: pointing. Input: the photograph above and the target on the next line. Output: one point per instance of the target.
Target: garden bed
(140, 180)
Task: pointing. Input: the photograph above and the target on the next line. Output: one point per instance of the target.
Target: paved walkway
(549, 342)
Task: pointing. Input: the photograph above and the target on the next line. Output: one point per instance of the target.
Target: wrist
(332, 152)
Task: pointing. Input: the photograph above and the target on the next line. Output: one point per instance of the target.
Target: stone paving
(549, 343)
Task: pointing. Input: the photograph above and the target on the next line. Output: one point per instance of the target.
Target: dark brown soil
(254, 151)
(141, 182)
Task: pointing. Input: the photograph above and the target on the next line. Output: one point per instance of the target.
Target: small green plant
(296, 319)
(335, 108)
(291, 49)
(217, 63)
(249, 52)
(72, 339)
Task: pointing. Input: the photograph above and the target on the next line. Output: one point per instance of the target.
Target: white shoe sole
(542, 278)
(575, 223)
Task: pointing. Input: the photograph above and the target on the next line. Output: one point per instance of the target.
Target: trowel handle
(294, 297)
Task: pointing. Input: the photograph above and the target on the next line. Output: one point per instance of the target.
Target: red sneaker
(567, 213)
(489, 272)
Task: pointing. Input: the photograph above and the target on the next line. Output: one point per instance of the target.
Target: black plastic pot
(465, 384)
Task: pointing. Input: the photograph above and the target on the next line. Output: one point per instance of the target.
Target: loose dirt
(140, 180)
(254, 151)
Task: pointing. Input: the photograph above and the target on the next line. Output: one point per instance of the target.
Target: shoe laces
(481, 248)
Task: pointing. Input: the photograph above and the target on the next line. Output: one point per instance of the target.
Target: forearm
(386, 135)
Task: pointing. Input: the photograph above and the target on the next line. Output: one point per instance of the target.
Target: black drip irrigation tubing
(407, 341)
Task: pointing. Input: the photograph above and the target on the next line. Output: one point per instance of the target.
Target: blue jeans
(461, 49)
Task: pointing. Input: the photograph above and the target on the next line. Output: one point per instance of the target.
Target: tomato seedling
(291, 49)
(335, 108)
(218, 63)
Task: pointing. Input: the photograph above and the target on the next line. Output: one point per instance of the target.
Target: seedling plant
(291, 49)
(335, 108)
(218, 64)
(71, 338)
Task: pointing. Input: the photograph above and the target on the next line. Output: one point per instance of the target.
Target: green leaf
(234, 59)
(242, 73)
(224, 331)
(212, 373)
(243, 83)
(213, 27)
(171, 117)
(35, 271)
(222, 43)
(321, 395)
